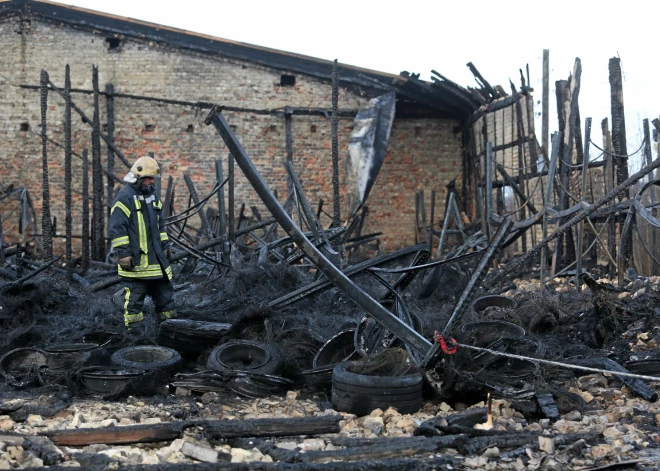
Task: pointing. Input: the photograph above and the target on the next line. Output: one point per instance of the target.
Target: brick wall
(423, 153)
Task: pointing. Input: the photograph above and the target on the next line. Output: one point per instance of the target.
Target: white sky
(498, 37)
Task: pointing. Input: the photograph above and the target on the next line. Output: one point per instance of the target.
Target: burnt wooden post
(417, 209)
(572, 123)
(583, 191)
(489, 186)
(46, 221)
(545, 123)
(562, 89)
(432, 217)
(649, 159)
(110, 164)
(230, 196)
(619, 140)
(521, 169)
(609, 184)
(336, 212)
(169, 194)
(85, 212)
(2, 245)
(221, 201)
(206, 225)
(289, 143)
(98, 234)
(422, 213)
(556, 139)
(68, 220)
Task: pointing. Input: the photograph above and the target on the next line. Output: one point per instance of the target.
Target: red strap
(449, 350)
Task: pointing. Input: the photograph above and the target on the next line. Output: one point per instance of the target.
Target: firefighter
(138, 236)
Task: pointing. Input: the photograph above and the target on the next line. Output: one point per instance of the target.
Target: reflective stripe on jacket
(137, 230)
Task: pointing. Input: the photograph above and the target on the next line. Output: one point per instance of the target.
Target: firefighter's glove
(126, 263)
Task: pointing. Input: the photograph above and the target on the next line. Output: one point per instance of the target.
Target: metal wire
(555, 363)
(617, 155)
(198, 206)
(644, 245)
(524, 205)
(580, 165)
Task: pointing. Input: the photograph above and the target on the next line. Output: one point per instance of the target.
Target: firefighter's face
(148, 181)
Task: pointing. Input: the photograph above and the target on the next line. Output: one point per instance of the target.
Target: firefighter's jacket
(137, 230)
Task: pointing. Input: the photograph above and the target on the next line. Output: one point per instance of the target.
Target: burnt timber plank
(275, 427)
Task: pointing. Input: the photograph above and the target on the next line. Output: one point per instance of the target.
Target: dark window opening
(190, 128)
(149, 127)
(104, 127)
(25, 127)
(273, 128)
(113, 43)
(288, 80)
(313, 128)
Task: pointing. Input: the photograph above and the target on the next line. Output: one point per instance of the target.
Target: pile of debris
(354, 361)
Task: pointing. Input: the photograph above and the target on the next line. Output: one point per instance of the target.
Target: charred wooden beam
(85, 212)
(545, 118)
(231, 222)
(369, 304)
(608, 181)
(289, 144)
(206, 225)
(512, 183)
(88, 121)
(383, 448)
(222, 215)
(336, 212)
(583, 191)
(272, 427)
(619, 139)
(110, 163)
(520, 261)
(98, 213)
(68, 220)
(483, 82)
(46, 221)
(648, 159)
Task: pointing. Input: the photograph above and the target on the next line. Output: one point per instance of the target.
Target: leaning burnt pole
(46, 222)
(98, 239)
(67, 165)
(334, 274)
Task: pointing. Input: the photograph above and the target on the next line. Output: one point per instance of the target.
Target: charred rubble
(487, 344)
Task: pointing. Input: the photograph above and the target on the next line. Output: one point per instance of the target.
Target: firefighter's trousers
(135, 290)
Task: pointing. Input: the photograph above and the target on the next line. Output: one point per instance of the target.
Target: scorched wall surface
(422, 154)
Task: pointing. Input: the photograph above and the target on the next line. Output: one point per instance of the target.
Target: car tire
(245, 356)
(162, 360)
(360, 394)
